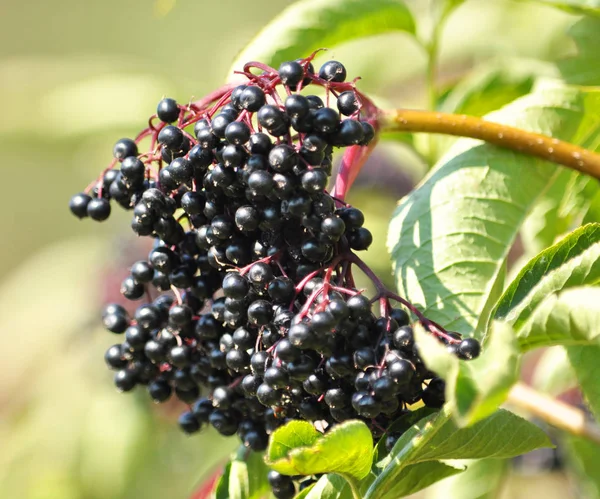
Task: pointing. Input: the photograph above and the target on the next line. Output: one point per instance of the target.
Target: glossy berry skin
(78, 205)
(333, 71)
(347, 103)
(360, 239)
(125, 148)
(237, 133)
(251, 98)
(167, 110)
(131, 289)
(188, 423)
(403, 338)
(469, 348)
(297, 106)
(291, 73)
(114, 357)
(171, 137)
(159, 391)
(98, 209)
(235, 286)
(124, 380)
(433, 395)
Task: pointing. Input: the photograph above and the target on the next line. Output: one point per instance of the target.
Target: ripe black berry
(98, 209)
(167, 110)
(252, 99)
(171, 137)
(188, 422)
(78, 205)
(347, 103)
(333, 71)
(125, 148)
(469, 348)
(125, 380)
(291, 73)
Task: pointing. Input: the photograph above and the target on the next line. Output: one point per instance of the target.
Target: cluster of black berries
(250, 314)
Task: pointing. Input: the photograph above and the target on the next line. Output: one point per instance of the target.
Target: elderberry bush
(248, 308)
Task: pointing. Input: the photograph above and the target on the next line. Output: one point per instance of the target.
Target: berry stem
(554, 412)
(352, 161)
(384, 293)
(460, 125)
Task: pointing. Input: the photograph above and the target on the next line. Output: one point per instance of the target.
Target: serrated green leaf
(590, 7)
(553, 373)
(482, 385)
(450, 237)
(501, 435)
(583, 68)
(573, 261)
(585, 361)
(436, 437)
(416, 477)
(570, 317)
(312, 24)
(346, 449)
(481, 480)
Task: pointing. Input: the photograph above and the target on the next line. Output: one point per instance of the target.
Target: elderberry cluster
(249, 313)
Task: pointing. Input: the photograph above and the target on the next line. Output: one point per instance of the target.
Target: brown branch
(554, 412)
(534, 144)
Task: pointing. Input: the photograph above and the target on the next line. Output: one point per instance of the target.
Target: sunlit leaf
(450, 237)
(312, 24)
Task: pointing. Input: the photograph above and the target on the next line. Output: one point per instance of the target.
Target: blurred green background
(74, 77)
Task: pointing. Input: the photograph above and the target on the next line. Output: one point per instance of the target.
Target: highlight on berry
(248, 309)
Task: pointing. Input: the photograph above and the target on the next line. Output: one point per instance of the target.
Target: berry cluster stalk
(460, 125)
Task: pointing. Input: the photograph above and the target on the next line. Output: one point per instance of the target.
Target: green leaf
(591, 7)
(399, 426)
(450, 237)
(298, 434)
(330, 486)
(298, 449)
(553, 373)
(501, 435)
(482, 385)
(436, 437)
(561, 207)
(585, 361)
(434, 354)
(244, 477)
(571, 317)
(585, 455)
(416, 477)
(583, 68)
(312, 24)
(593, 211)
(474, 389)
(481, 480)
(492, 85)
(573, 261)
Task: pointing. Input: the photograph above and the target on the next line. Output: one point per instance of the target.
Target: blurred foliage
(76, 76)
